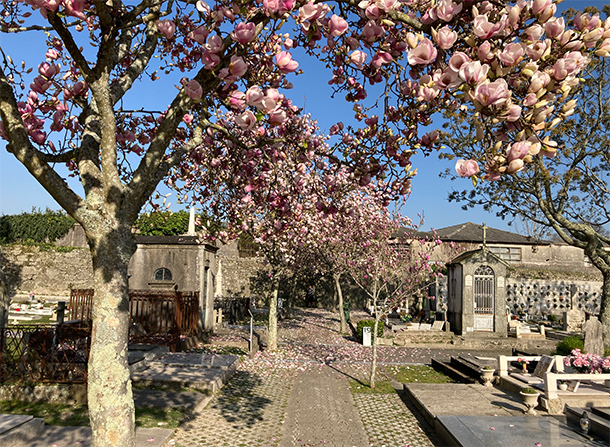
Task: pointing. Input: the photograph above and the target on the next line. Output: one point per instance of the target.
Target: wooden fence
(155, 314)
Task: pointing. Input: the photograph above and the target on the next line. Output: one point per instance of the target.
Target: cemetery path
(321, 410)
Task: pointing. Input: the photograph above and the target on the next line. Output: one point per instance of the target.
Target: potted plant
(530, 399)
(487, 375)
(523, 362)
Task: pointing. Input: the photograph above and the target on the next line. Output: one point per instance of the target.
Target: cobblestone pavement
(299, 395)
(321, 411)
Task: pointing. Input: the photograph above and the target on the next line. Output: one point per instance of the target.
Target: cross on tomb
(484, 228)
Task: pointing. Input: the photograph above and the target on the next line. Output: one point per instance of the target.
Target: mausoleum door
(484, 298)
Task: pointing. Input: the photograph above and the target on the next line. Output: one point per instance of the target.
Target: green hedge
(565, 346)
(37, 226)
(371, 324)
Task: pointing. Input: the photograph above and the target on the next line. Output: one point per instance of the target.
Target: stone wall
(28, 269)
(236, 275)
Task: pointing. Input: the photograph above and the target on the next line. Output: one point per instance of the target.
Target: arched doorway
(484, 298)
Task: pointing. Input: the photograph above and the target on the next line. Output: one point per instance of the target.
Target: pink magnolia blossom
(254, 96)
(238, 67)
(210, 60)
(358, 58)
(492, 93)
(484, 29)
(466, 168)
(539, 80)
(40, 84)
(381, 58)
(202, 7)
(52, 54)
(244, 32)
(512, 54)
(38, 136)
(518, 150)
(515, 166)
(371, 32)
(539, 6)
(166, 27)
(445, 38)
(555, 27)
(337, 25)
(446, 10)
(237, 100)
(311, 11)
(246, 121)
(214, 44)
(194, 90)
(457, 60)
(424, 54)
(474, 72)
(537, 50)
(279, 7)
(277, 117)
(484, 51)
(75, 8)
(48, 70)
(514, 113)
(199, 34)
(285, 62)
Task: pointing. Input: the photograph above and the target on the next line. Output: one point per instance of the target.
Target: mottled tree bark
(337, 277)
(272, 331)
(110, 400)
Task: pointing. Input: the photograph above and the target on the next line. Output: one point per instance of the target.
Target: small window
(163, 274)
(509, 254)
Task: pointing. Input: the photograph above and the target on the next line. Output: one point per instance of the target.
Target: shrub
(565, 346)
(37, 226)
(371, 324)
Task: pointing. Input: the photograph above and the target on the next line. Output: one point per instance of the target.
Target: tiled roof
(471, 232)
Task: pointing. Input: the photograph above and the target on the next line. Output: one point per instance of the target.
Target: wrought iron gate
(484, 298)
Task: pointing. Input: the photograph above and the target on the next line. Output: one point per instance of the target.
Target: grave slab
(492, 431)
(201, 360)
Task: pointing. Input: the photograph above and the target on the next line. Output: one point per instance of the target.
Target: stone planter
(487, 376)
(530, 400)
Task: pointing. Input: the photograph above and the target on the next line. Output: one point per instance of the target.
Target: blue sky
(20, 192)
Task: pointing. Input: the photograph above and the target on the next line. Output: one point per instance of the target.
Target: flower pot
(487, 376)
(563, 386)
(531, 401)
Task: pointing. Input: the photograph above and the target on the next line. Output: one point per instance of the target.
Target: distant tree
(568, 192)
(390, 264)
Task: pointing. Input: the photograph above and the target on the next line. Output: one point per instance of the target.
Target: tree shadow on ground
(239, 403)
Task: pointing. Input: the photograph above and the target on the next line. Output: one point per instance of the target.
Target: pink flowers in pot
(588, 363)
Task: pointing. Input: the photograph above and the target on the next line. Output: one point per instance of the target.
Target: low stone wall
(61, 394)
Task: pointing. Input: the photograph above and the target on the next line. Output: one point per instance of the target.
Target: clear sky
(19, 191)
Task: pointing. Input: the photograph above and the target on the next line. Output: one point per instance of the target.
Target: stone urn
(487, 376)
(530, 399)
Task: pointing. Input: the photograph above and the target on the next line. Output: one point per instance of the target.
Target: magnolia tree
(392, 264)
(336, 241)
(277, 193)
(79, 110)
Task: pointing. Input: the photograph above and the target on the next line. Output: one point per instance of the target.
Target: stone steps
(456, 369)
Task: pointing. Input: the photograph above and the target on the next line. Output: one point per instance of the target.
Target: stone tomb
(476, 300)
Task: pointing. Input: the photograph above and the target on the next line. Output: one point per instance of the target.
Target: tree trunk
(343, 328)
(374, 360)
(272, 331)
(110, 399)
(604, 313)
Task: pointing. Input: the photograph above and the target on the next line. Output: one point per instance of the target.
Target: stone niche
(476, 294)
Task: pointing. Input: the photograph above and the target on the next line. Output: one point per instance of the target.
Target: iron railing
(56, 353)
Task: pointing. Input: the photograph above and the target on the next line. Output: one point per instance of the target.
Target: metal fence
(157, 316)
(55, 353)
